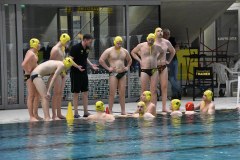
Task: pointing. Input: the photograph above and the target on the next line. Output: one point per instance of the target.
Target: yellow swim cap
(100, 106)
(208, 94)
(34, 42)
(68, 62)
(151, 36)
(147, 95)
(175, 103)
(64, 38)
(117, 39)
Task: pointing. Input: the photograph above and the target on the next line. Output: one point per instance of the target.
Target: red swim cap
(189, 106)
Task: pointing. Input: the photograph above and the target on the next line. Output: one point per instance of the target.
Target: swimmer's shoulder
(141, 44)
(109, 50)
(30, 54)
(109, 117)
(152, 105)
(166, 41)
(54, 49)
(176, 113)
(125, 50)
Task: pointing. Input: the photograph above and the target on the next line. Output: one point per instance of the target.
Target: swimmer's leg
(153, 87)
(36, 102)
(113, 83)
(59, 112)
(144, 82)
(57, 89)
(164, 84)
(42, 90)
(30, 100)
(122, 91)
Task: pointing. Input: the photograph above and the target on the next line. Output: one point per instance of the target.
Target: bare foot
(33, 119)
(38, 118)
(55, 118)
(123, 113)
(166, 110)
(47, 119)
(61, 117)
(163, 113)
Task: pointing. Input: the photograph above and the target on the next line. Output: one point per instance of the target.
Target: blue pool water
(192, 137)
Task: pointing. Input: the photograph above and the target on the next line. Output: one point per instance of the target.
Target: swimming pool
(192, 137)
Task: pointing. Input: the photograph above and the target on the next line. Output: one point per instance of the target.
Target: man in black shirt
(173, 67)
(79, 79)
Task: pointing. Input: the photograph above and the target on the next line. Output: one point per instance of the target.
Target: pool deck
(21, 115)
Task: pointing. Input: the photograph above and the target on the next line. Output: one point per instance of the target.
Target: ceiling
(177, 16)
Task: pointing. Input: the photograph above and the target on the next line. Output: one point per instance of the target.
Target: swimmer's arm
(197, 107)
(211, 109)
(26, 60)
(128, 59)
(136, 112)
(57, 72)
(171, 50)
(135, 52)
(103, 58)
(111, 117)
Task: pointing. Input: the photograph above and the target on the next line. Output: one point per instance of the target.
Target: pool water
(190, 137)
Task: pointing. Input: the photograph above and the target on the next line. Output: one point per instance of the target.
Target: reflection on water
(176, 121)
(70, 138)
(100, 132)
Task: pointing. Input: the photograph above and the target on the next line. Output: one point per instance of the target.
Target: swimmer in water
(117, 57)
(175, 107)
(146, 98)
(142, 111)
(189, 108)
(100, 115)
(206, 106)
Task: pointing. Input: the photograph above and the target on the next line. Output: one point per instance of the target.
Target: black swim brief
(26, 77)
(117, 75)
(35, 76)
(150, 72)
(161, 68)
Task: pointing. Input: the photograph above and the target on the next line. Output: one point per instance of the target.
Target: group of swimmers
(146, 109)
(151, 56)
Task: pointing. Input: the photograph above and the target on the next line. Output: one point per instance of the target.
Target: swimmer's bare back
(48, 67)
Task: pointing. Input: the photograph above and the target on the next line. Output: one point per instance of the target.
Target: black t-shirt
(80, 56)
(174, 43)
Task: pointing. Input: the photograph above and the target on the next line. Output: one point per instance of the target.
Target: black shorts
(79, 82)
